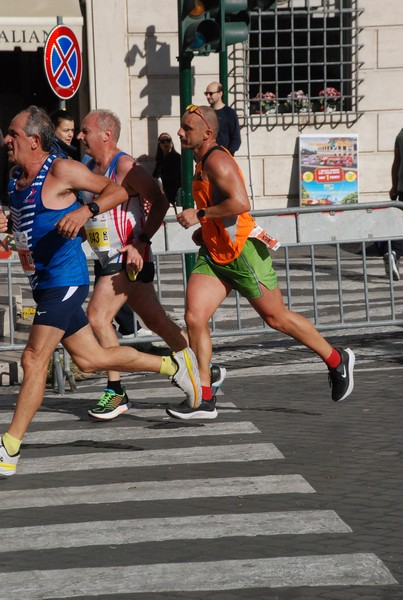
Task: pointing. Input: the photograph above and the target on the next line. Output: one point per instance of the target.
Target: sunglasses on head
(193, 108)
(165, 141)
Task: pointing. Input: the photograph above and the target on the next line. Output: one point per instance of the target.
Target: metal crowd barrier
(326, 267)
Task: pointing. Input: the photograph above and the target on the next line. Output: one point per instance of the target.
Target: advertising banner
(328, 167)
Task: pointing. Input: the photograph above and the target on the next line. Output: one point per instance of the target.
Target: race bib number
(97, 232)
(260, 234)
(24, 253)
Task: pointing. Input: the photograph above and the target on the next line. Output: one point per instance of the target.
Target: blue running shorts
(61, 307)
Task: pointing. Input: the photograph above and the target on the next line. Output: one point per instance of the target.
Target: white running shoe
(394, 263)
(187, 376)
(8, 464)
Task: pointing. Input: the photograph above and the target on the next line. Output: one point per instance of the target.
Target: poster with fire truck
(328, 166)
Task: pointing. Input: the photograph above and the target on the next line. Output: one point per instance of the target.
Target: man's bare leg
(110, 293)
(204, 295)
(35, 360)
(89, 357)
(273, 311)
(144, 301)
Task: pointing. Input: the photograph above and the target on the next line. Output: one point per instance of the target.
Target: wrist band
(143, 237)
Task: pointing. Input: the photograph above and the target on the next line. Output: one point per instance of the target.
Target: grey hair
(106, 119)
(39, 123)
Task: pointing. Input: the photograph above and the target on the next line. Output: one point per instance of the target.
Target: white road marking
(138, 531)
(170, 429)
(149, 458)
(141, 491)
(331, 570)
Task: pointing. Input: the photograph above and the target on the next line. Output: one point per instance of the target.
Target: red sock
(206, 392)
(333, 360)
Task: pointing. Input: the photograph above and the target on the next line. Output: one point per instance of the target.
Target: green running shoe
(110, 405)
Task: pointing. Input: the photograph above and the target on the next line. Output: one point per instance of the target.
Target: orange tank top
(224, 237)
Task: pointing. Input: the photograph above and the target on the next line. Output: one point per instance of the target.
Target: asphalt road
(286, 496)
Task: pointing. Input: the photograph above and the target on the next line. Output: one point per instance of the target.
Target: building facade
(130, 51)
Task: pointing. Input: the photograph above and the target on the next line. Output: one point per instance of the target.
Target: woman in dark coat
(168, 167)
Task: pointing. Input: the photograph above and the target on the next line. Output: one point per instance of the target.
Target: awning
(26, 24)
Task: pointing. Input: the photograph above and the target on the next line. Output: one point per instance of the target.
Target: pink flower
(264, 101)
(329, 94)
(298, 99)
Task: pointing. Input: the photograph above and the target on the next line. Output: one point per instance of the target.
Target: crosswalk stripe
(48, 416)
(137, 531)
(169, 429)
(331, 570)
(134, 457)
(141, 491)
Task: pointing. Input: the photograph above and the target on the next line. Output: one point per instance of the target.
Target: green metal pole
(185, 83)
(223, 63)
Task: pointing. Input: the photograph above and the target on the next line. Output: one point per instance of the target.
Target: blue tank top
(49, 259)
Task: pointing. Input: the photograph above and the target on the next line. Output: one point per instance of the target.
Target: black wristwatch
(201, 214)
(94, 208)
(143, 237)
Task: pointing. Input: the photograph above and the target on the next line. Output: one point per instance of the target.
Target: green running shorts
(247, 273)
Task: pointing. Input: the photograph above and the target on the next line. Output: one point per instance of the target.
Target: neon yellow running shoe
(8, 464)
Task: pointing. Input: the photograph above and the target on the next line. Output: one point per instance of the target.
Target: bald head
(210, 116)
(214, 94)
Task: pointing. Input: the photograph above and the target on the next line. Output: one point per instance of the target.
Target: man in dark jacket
(229, 134)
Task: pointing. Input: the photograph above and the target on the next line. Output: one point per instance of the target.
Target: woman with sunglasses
(168, 167)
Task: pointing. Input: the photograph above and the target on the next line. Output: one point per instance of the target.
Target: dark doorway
(24, 82)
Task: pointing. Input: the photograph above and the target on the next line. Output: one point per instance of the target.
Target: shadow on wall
(160, 74)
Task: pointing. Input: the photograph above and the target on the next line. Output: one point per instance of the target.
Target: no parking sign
(63, 64)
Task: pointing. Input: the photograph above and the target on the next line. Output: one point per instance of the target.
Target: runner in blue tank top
(47, 258)
(46, 224)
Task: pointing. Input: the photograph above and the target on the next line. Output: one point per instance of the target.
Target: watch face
(94, 208)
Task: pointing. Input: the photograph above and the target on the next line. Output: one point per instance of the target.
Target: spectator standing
(395, 193)
(229, 133)
(168, 167)
(62, 146)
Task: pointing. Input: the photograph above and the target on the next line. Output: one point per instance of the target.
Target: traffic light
(199, 26)
(235, 22)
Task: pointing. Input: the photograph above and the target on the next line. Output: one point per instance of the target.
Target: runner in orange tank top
(230, 257)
